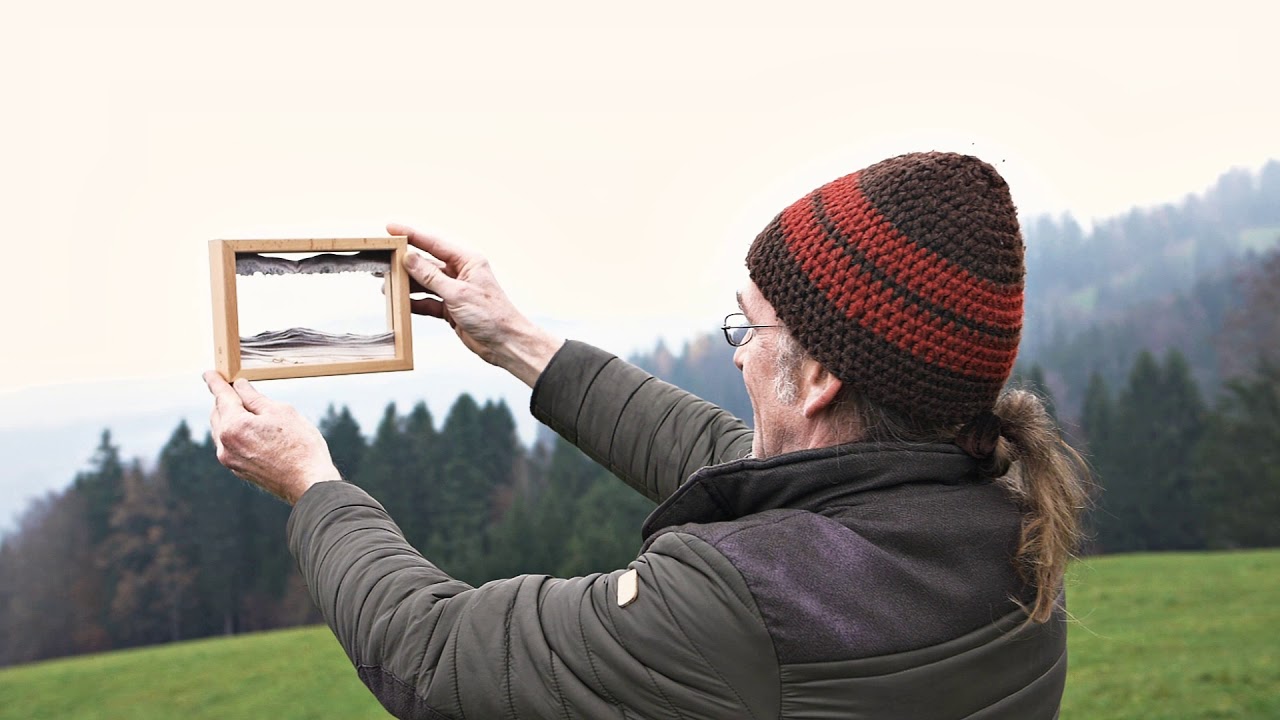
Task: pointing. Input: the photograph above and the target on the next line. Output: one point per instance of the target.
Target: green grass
(299, 673)
(1157, 636)
(1180, 635)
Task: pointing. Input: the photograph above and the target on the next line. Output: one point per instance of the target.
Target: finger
(427, 306)
(431, 277)
(214, 381)
(215, 426)
(415, 287)
(446, 251)
(254, 401)
(433, 260)
(225, 398)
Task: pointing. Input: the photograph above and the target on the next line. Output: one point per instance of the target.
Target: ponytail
(1050, 481)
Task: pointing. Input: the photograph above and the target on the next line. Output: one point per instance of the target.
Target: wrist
(527, 351)
(309, 479)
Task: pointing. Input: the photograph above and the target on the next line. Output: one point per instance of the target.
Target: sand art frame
(300, 352)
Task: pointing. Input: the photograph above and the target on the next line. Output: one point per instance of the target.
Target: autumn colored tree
(50, 589)
(152, 575)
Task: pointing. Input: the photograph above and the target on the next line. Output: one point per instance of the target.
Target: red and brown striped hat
(905, 280)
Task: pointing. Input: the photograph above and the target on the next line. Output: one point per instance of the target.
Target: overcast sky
(613, 162)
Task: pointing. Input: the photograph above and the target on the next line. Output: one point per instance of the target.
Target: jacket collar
(807, 480)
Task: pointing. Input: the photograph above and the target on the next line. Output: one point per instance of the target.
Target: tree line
(133, 554)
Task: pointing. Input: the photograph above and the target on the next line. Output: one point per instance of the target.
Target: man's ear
(820, 387)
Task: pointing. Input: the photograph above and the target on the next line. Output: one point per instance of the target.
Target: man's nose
(737, 356)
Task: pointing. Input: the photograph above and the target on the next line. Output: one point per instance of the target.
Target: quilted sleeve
(650, 433)
(689, 643)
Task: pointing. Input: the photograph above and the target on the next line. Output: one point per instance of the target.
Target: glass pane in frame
(306, 308)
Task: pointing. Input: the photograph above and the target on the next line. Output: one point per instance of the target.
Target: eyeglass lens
(736, 329)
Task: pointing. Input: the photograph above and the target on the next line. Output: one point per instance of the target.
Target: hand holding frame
(265, 442)
(469, 298)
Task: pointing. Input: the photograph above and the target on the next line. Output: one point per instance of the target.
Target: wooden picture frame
(228, 353)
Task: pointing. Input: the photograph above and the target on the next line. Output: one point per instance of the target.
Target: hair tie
(980, 435)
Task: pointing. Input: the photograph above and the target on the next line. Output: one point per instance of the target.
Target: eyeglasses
(738, 332)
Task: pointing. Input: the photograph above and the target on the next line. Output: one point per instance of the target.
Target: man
(889, 542)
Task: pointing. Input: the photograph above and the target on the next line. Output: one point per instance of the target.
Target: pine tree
(1097, 423)
(1238, 464)
(502, 447)
(419, 476)
(1147, 503)
(100, 489)
(265, 562)
(380, 467)
(605, 531)
(102, 486)
(463, 489)
(346, 445)
(1038, 384)
(1179, 425)
(514, 547)
(208, 503)
(1124, 518)
(186, 475)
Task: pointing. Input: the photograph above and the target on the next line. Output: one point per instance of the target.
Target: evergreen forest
(1154, 335)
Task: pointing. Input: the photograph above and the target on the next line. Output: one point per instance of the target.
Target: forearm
(526, 351)
(650, 433)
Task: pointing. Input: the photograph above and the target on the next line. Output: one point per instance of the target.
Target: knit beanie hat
(904, 280)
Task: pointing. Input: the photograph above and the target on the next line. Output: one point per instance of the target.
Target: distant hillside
(1189, 320)
(1077, 279)
(1159, 279)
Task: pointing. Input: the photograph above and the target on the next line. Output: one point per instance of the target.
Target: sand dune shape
(300, 346)
(376, 262)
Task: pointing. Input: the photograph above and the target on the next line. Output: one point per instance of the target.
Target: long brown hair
(1051, 482)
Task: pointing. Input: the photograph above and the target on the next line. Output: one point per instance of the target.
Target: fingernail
(411, 262)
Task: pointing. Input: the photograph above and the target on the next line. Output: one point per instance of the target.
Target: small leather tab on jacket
(628, 588)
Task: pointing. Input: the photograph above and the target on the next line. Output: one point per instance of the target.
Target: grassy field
(282, 675)
(1193, 635)
(1157, 637)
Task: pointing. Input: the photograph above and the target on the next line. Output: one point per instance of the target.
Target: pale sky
(613, 162)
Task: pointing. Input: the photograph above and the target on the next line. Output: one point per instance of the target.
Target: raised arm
(651, 434)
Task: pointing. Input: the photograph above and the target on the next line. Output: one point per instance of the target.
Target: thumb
(430, 276)
(254, 401)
